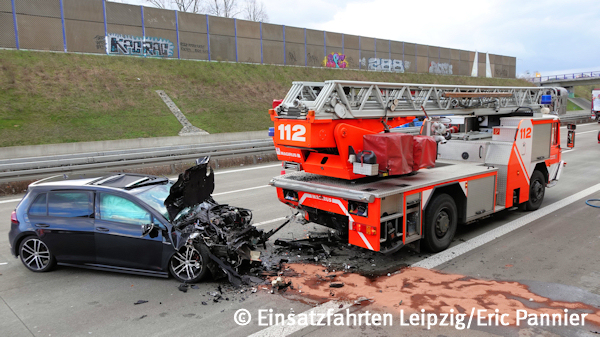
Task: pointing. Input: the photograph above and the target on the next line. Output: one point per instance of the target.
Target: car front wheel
(35, 255)
(190, 263)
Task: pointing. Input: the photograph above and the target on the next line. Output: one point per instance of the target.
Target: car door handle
(41, 225)
(102, 229)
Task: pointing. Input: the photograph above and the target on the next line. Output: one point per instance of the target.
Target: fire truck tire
(440, 223)
(537, 189)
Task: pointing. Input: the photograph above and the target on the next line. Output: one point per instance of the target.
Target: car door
(118, 234)
(64, 221)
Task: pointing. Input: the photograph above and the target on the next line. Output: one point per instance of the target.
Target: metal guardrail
(33, 167)
(574, 118)
(574, 76)
(24, 168)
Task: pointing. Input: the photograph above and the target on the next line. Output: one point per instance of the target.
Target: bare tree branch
(224, 8)
(190, 6)
(164, 4)
(255, 11)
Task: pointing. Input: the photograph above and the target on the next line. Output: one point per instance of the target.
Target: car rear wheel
(190, 264)
(35, 255)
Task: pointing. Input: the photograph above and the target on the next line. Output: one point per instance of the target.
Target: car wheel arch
(22, 236)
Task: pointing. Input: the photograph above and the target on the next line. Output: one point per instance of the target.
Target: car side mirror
(147, 229)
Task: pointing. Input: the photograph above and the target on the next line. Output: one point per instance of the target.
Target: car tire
(35, 255)
(190, 264)
(537, 188)
(440, 222)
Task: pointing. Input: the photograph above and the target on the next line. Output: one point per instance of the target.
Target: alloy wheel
(35, 254)
(187, 264)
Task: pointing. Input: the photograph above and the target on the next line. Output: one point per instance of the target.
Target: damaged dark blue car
(133, 223)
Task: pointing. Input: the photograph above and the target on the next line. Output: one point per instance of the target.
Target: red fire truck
(478, 151)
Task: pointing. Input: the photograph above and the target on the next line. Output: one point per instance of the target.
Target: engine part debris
(140, 302)
(336, 284)
(183, 287)
(220, 232)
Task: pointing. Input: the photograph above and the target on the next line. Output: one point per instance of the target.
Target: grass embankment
(55, 97)
(585, 91)
(572, 106)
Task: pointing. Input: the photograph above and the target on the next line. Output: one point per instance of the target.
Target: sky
(550, 37)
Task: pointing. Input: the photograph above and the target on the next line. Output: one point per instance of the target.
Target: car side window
(38, 206)
(119, 209)
(70, 204)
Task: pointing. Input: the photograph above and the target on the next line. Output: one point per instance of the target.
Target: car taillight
(13, 218)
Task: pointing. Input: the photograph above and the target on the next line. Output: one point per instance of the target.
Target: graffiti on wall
(100, 41)
(335, 60)
(500, 72)
(440, 68)
(379, 64)
(138, 46)
(312, 59)
(193, 48)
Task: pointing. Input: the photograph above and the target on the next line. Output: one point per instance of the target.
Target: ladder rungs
(476, 94)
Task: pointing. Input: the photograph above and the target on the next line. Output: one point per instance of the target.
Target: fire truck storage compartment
(480, 197)
(394, 151)
(541, 135)
(392, 209)
(468, 151)
(424, 152)
(413, 214)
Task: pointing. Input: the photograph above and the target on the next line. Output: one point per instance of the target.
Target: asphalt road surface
(550, 255)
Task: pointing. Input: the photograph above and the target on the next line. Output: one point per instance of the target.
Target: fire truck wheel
(440, 223)
(536, 191)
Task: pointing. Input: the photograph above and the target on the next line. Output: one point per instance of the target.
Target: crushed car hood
(193, 187)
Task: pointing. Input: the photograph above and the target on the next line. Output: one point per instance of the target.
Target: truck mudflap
(555, 173)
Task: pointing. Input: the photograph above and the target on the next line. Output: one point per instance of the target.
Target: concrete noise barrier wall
(103, 27)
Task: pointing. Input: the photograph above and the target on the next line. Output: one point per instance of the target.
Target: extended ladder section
(364, 100)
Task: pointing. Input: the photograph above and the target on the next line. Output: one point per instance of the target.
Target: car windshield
(155, 197)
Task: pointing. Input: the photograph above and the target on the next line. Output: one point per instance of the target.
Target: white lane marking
(451, 253)
(568, 151)
(3, 263)
(242, 190)
(269, 221)
(9, 200)
(247, 169)
(286, 329)
(580, 133)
